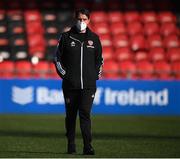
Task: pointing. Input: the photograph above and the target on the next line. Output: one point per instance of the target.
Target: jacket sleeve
(99, 59)
(58, 60)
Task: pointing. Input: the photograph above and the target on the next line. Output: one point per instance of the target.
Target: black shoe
(71, 149)
(88, 151)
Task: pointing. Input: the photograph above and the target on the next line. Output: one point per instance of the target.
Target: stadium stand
(23, 69)
(140, 39)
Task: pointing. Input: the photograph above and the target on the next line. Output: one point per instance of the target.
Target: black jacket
(79, 63)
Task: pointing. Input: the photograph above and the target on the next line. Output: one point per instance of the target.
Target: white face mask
(81, 25)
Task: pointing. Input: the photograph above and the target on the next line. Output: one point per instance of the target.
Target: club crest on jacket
(73, 43)
(90, 42)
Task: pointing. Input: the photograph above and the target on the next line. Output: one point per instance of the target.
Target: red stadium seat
(115, 17)
(176, 69)
(123, 54)
(4, 45)
(166, 17)
(110, 70)
(138, 42)
(145, 70)
(101, 28)
(18, 30)
(23, 69)
(118, 28)
(120, 40)
(162, 70)
(19, 42)
(7, 69)
(154, 41)
(106, 40)
(151, 28)
(32, 15)
(52, 72)
(51, 42)
(3, 28)
(35, 39)
(127, 69)
(51, 30)
(107, 53)
(98, 16)
(41, 70)
(37, 51)
(168, 29)
(49, 17)
(15, 15)
(157, 54)
(135, 28)
(4, 42)
(131, 16)
(34, 28)
(141, 56)
(173, 55)
(2, 15)
(171, 41)
(149, 17)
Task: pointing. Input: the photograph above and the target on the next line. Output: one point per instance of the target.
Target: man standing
(78, 62)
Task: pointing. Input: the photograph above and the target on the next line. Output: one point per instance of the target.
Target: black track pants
(79, 100)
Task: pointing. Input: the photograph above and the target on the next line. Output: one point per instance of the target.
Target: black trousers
(78, 100)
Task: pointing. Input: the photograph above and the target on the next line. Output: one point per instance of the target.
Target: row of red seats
(139, 42)
(25, 69)
(110, 16)
(141, 70)
(101, 26)
(155, 54)
(131, 16)
(111, 69)
(134, 28)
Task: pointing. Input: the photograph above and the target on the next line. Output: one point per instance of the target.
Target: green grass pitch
(43, 136)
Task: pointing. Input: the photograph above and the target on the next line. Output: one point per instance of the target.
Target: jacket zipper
(82, 66)
(82, 84)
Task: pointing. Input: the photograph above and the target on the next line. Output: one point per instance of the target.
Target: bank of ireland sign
(104, 95)
(39, 95)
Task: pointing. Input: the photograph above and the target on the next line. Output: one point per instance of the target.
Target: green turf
(113, 136)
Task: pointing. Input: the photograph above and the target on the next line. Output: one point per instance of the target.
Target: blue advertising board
(112, 97)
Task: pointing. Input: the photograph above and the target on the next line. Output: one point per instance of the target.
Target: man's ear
(88, 21)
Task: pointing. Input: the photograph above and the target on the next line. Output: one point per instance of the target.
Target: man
(78, 62)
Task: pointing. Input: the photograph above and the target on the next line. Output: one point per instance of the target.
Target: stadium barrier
(40, 96)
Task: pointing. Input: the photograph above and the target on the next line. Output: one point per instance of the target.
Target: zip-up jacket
(79, 63)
